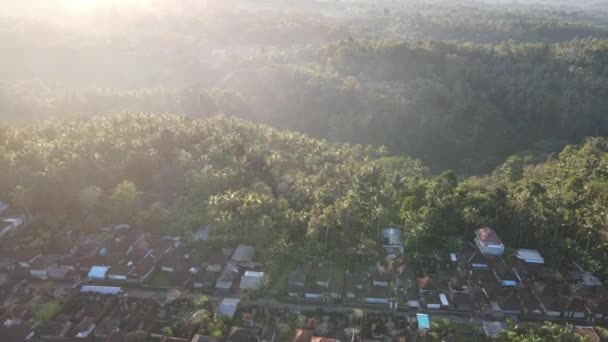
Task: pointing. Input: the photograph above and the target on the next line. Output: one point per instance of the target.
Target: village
(120, 283)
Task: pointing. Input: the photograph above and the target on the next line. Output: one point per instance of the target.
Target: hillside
(172, 174)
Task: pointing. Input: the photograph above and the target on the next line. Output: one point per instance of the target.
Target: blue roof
(101, 289)
(228, 306)
(424, 321)
(98, 272)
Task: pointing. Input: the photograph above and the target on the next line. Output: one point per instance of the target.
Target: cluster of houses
(368, 278)
(480, 278)
(122, 255)
(107, 314)
(117, 281)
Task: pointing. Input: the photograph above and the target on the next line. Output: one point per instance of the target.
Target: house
(488, 243)
(296, 282)
(123, 242)
(173, 263)
(105, 328)
(251, 280)
(413, 298)
(56, 273)
(476, 260)
(163, 246)
(355, 284)
(25, 258)
(13, 331)
(120, 272)
(228, 306)
(426, 284)
(203, 279)
(202, 234)
(378, 295)
(226, 278)
(457, 283)
(215, 263)
(530, 305)
(530, 256)
(199, 338)
(239, 334)
(548, 299)
(483, 276)
(174, 339)
(14, 324)
(598, 307)
(104, 290)
(98, 272)
(85, 328)
(40, 267)
(445, 303)
(504, 274)
(510, 304)
(314, 292)
(3, 207)
(52, 330)
(527, 271)
(143, 270)
(431, 300)
(9, 226)
(268, 334)
(382, 279)
(322, 277)
(461, 301)
(243, 254)
(573, 308)
(392, 236)
(551, 305)
(493, 290)
(303, 336)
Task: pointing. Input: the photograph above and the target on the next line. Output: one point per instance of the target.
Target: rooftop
(531, 256)
(227, 306)
(243, 253)
(488, 236)
(98, 272)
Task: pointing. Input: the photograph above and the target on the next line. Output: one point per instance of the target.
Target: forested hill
(172, 174)
(558, 206)
(289, 193)
(453, 105)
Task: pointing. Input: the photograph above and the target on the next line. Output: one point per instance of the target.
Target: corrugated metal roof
(98, 272)
(101, 289)
(531, 256)
(243, 253)
(228, 306)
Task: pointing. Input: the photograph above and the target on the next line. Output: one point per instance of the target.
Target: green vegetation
(46, 311)
(443, 330)
(172, 174)
(290, 195)
(532, 333)
(459, 86)
(511, 97)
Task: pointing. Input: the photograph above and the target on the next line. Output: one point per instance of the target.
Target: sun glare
(84, 4)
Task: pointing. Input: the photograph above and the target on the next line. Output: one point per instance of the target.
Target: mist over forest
(304, 127)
